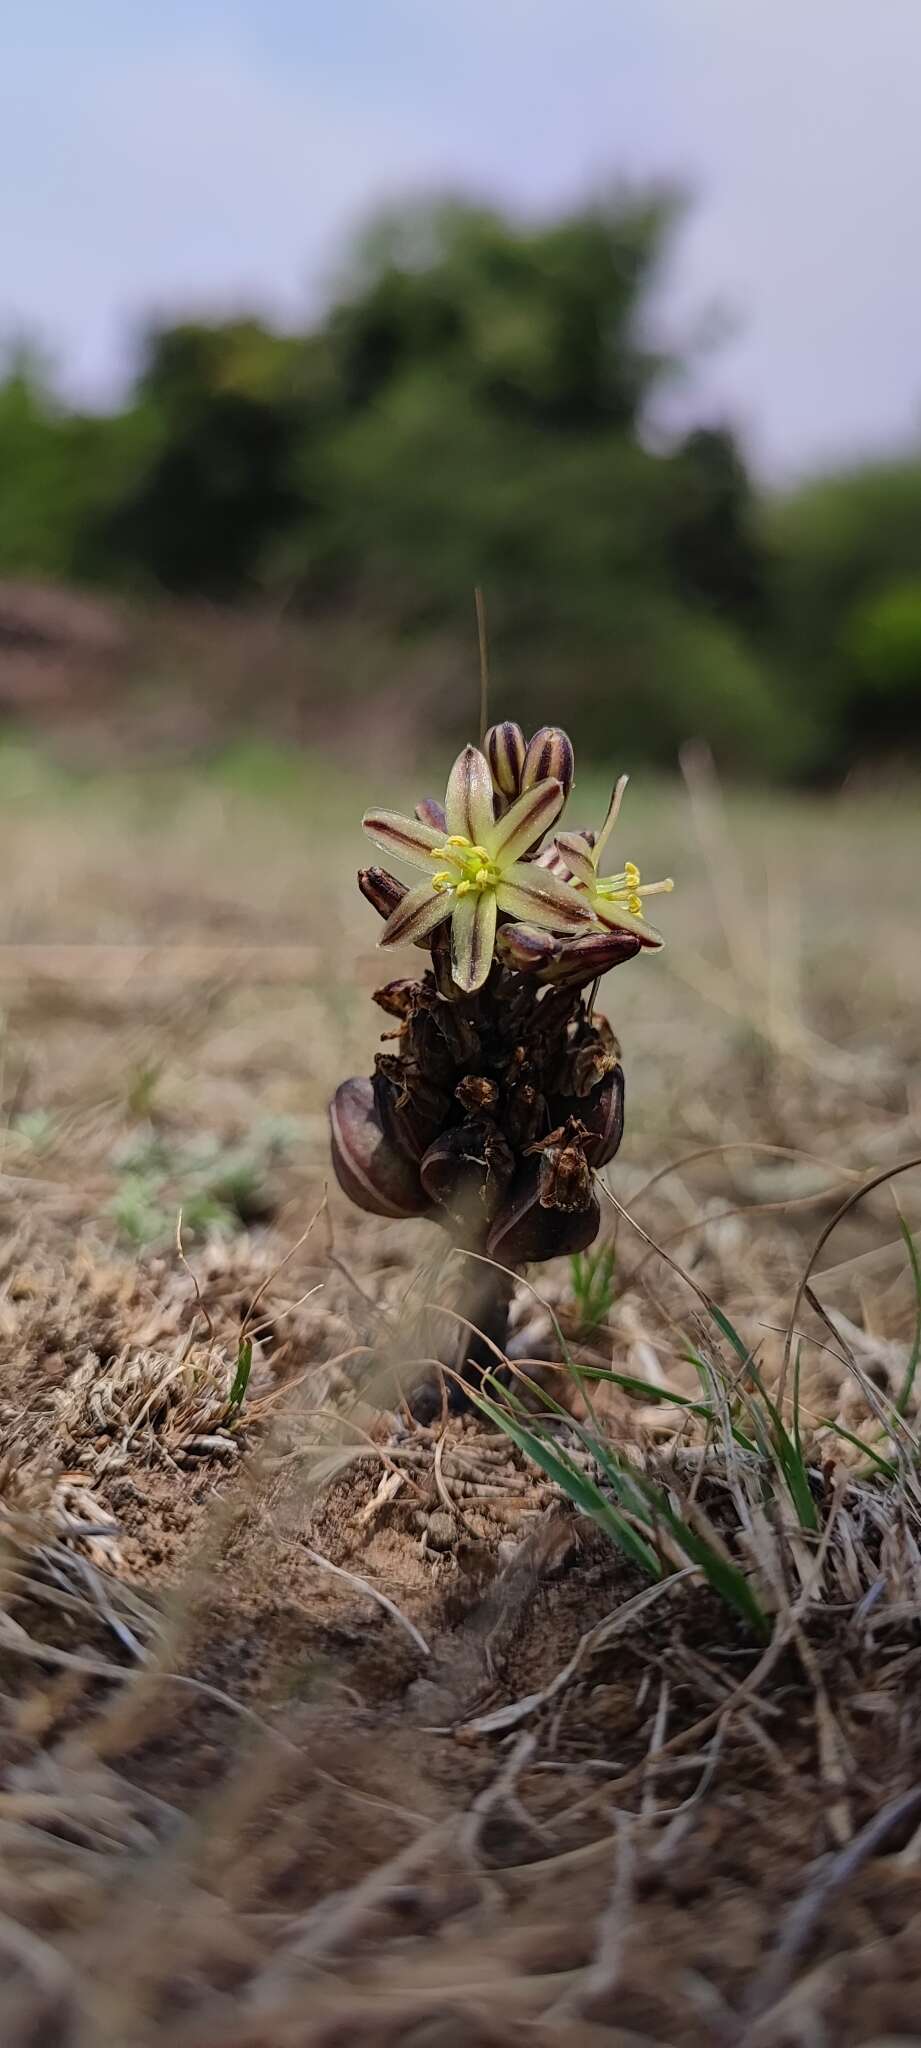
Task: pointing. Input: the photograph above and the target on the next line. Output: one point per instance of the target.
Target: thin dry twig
(374, 1593)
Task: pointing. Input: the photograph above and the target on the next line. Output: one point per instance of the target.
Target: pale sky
(181, 155)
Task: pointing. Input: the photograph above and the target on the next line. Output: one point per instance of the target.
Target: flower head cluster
(500, 1094)
(481, 853)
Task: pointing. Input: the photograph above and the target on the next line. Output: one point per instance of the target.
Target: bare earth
(318, 1727)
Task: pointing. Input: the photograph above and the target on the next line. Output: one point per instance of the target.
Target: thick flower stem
(490, 1297)
(486, 1294)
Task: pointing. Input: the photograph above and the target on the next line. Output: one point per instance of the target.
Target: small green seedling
(240, 1380)
(591, 1277)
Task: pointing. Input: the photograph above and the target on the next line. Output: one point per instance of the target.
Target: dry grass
(320, 1728)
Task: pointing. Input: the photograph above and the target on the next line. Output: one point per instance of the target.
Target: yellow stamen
(441, 881)
(463, 888)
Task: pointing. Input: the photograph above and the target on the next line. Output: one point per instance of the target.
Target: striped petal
(534, 896)
(527, 949)
(422, 845)
(615, 918)
(468, 798)
(432, 813)
(505, 747)
(525, 822)
(577, 855)
(473, 932)
(418, 914)
(549, 754)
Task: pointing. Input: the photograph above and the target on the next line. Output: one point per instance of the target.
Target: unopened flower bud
(549, 754)
(587, 957)
(525, 948)
(551, 857)
(381, 889)
(369, 1168)
(505, 749)
(386, 893)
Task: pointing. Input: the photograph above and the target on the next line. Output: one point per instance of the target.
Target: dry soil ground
(317, 1727)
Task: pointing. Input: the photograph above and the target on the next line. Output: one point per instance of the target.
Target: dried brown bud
(397, 998)
(477, 1094)
(524, 1230)
(505, 750)
(600, 1114)
(381, 889)
(603, 1115)
(592, 1052)
(370, 1170)
(564, 1176)
(549, 754)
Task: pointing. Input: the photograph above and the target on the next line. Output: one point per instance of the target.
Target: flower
(616, 900)
(476, 868)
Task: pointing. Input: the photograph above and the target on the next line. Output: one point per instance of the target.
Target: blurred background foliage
(473, 408)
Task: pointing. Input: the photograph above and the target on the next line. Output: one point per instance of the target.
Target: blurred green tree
(472, 407)
(220, 481)
(844, 589)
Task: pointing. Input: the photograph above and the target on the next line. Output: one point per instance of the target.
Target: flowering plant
(505, 1092)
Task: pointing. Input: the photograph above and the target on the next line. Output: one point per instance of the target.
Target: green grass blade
(641, 1496)
(706, 1375)
(724, 1577)
(578, 1488)
(796, 1433)
(732, 1335)
(905, 1391)
(783, 1450)
(620, 1478)
(860, 1444)
(647, 1390)
(240, 1382)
